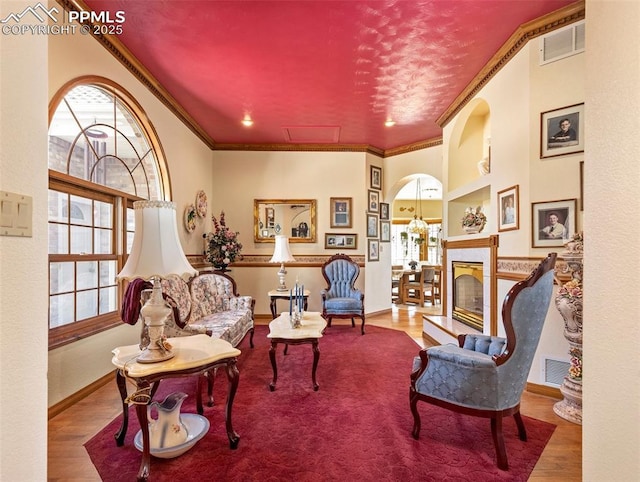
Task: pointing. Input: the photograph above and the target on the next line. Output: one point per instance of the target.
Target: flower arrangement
(575, 368)
(571, 290)
(221, 246)
(576, 243)
(473, 218)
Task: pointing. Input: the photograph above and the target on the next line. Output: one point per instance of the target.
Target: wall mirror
(294, 218)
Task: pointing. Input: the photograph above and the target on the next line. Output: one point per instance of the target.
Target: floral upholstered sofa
(208, 304)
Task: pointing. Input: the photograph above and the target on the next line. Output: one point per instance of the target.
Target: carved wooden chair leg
(498, 441)
(522, 431)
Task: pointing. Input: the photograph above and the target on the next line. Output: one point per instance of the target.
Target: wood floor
(68, 461)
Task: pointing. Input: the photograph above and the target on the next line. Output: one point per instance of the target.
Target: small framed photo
(562, 131)
(581, 185)
(384, 211)
(509, 207)
(270, 216)
(372, 226)
(374, 250)
(376, 178)
(340, 241)
(553, 222)
(374, 202)
(340, 212)
(385, 231)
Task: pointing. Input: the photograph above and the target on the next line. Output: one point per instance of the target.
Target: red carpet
(357, 426)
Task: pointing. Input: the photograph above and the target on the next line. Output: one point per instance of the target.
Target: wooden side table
(194, 355)
(275, 295)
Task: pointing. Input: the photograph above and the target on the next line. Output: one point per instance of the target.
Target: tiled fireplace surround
(444, 329)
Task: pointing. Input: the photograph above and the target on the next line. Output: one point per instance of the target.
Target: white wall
(611, 431)
(242, 176)
(23, 276)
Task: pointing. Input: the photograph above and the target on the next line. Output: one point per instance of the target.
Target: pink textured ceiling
(333, 70)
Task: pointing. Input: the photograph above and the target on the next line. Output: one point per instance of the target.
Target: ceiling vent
(312, 134)
(562, 43)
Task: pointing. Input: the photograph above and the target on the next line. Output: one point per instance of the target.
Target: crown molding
(526, 32)
(541, 26)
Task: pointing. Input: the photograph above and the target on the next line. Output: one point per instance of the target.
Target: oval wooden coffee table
(311, 330)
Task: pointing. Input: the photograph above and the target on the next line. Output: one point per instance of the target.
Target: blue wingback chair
(341, 299)
(485, 375)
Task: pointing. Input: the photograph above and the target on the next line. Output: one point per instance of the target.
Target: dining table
(408, 275)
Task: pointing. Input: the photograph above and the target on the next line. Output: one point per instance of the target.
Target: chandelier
(417, 224)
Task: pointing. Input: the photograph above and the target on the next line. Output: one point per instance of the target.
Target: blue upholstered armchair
(486, 375)
(341, 299)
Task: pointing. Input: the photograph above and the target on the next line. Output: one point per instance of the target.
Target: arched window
(103, 156)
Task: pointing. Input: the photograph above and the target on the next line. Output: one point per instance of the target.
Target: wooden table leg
(272, 357)
(316, 358)
(272, 305)
(145, 463)
(122, 387)
(234, 376)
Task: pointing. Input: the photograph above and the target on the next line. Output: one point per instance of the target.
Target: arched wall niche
(470, 145)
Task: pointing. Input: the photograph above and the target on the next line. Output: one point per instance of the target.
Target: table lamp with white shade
(282, 255)
(155, 254)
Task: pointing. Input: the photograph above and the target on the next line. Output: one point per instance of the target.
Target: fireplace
(468, 293)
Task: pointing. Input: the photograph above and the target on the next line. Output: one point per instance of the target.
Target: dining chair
(421, 288)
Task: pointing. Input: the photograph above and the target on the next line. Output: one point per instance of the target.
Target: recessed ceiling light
(390, 123)
(247, 122)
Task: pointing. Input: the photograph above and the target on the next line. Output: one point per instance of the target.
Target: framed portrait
(374, 250)
(384, 211)
(562, 131)
(385, 231)
(340, 241)
(270, 216)
(553, 222)
(372, 226)
(376, 178)
(374, 202)
(340, 212)
(509, 209)
(581, 185)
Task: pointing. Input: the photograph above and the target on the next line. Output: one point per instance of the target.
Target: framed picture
(553, 222)
(340, 212)
(374, 202)
(562, 131)
(376, 178)
(509, 209)
(340, 241)
(270, 216)
(374, 250)
(384, 211)
(581, 185)
(385, 231)
(372, 226)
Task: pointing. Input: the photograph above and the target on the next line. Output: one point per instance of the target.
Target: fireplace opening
(468, 294)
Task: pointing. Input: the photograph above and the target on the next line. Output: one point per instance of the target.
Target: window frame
(66, 183)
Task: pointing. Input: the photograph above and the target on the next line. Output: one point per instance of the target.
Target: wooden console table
(194, 355)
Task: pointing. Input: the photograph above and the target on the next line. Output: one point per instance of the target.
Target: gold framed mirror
(294, 218)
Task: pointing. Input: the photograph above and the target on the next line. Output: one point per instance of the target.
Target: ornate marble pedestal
(569, 304)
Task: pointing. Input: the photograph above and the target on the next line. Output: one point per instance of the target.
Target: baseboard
(544, 390)
(429, 341)
(80, 394)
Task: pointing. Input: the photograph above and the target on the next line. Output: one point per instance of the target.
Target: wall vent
(562, 43)
(554, 371)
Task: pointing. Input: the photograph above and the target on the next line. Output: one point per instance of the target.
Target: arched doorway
(419, 197)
